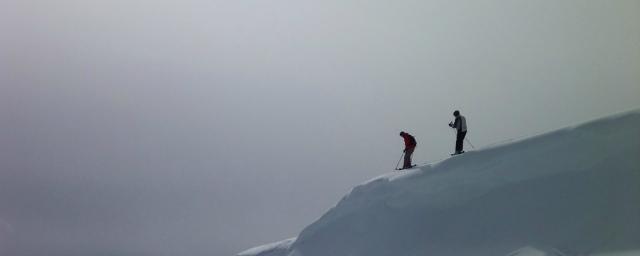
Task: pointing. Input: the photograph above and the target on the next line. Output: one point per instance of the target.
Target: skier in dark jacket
(460, 124)
(409, 147)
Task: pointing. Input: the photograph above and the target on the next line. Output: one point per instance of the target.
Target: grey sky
(206, 127)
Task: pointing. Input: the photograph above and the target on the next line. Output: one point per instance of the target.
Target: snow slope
(575, 191)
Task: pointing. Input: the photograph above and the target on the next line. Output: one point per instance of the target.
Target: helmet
(456, 113)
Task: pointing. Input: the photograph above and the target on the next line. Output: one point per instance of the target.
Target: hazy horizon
(205, 128)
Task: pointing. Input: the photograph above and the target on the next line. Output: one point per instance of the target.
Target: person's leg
(464, 134)
(459, 139)
(411, 156)
(407, 158)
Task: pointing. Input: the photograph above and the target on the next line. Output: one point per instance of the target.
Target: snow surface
(528, 251)
(575, 191)
(272, 249)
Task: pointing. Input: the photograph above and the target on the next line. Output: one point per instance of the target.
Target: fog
(207, 127)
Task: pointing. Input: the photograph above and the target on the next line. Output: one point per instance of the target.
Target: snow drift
(575, 191)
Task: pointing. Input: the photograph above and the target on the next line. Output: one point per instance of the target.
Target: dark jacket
(409, 141)
(460, 124)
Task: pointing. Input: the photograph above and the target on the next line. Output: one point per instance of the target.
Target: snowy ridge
(272, 249)
(574, 191)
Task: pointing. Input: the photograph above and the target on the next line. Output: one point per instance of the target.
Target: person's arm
(406, 143)
(455, 123)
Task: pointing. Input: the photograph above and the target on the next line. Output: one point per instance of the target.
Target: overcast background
(193, 128)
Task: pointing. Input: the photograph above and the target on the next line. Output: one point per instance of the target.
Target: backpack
(413, 140)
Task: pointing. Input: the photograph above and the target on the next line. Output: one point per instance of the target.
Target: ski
(455, 154)
(400, 169)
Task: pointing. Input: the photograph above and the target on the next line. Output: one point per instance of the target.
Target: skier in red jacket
(409, 147)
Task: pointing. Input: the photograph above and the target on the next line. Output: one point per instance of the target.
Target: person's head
(456, 113)
(402, 133)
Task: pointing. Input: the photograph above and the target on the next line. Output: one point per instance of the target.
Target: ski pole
(399, 160)
(455, 134)
(466, 139)
(469, 143)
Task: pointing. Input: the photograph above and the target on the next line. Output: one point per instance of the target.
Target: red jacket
(409, 141)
